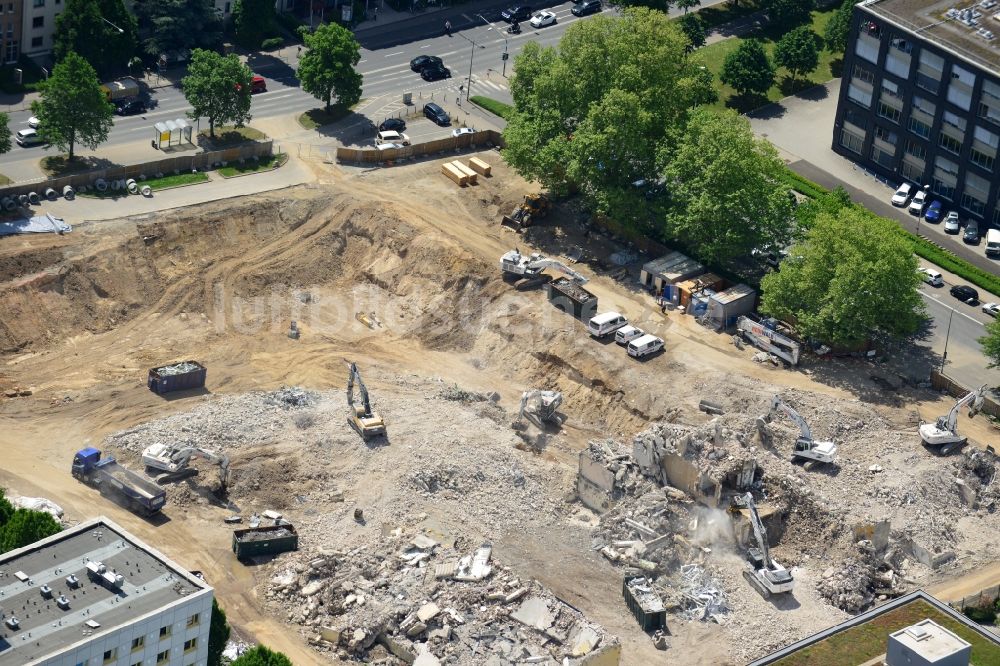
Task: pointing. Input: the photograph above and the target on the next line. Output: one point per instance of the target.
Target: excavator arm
(778, 404)
(543, 263)
(760, 535)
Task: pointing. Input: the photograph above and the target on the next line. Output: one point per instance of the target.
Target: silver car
(951, 223)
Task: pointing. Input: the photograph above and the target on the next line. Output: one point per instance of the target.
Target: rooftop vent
(72, 581)
(918, 633)
(62, 602)
(93, 624)
(21, 576)
(12, 622)
(46, 591)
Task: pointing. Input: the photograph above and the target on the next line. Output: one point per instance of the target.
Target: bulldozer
(522, 217)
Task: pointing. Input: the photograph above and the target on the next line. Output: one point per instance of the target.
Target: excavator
(173, 462)
(944, 432)
(361, 417)
(540, 407)
(762, 572)
(522, 217)
(529, 269)
(805, 447)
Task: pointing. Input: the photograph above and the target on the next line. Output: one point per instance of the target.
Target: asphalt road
(965, 362)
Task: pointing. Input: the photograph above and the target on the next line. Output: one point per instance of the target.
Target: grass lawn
(867, 641)
(227, 135)
(494, 106)
(714, 55)
(252, 166)
(173, 180)
(4, 180)
(314, 118)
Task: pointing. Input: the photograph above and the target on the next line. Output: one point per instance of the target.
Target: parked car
(28, 137)
(644, 346)
(952, 225)
(586, 7)
(435, 73)
(918, 202)
(902, 195)
(421, 61)
(436, 114)
(542, 19)
(459, 131)
(516, 13)
(392, 136)
(393, 124)
(971, 234)
(605, 324)
(33, 122)
(992, 242)
(931, 277)
(627, 334)
(992, 309)
(934, 211)
(965, 293)
(131, 108)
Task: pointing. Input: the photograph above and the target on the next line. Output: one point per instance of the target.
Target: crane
(805, 446)
(361, 417)
(763, 573)
(174, 462)
(539, 406)
(944, 432)
(517, 265)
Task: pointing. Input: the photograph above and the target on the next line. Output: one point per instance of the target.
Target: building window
(12, 53)
(859, 95)
(10, 7)
(36, 42)
(952, 132)
(10, 30)
(138, 663)
(975, 194)
(996, 215)
(916, 149)
(110, 655)
(945, 178)
(869, 39)
(929, 71)
(911, 171)
(897, 59)
(194, 620)
(851, 141)
(190, 644)
(39, 3)
(890, 104)
(921, 117)
(138, 643)
(984, 148)
(960, 87)
(864, 75)
(164, 631)
(38, 22)
(949, 143)
(888, 112)
(228, 7)
(163, 657)
(882, 156)
(989, 102)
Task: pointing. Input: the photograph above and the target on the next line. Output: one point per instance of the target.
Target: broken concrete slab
(534, 612)
(428, 611)
(584, 641)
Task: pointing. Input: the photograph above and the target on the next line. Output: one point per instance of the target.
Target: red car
(258, 85)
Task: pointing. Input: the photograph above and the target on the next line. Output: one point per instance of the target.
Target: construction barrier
(954, 389)
(474, 141)
(984, 597)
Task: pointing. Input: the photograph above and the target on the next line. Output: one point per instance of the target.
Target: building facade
(38, 26)
(920, 99)
(94, 595)
(10, 31)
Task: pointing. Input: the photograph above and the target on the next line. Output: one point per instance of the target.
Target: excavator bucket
(510, 223)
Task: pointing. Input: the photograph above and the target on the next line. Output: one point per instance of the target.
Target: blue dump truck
(118, 483)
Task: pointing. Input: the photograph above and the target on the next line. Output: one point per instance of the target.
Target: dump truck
(176, 377)
(120, 89)
(118, 483)
(269, 540)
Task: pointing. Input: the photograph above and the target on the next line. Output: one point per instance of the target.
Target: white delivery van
(605, 324)
(644, 346)
(627, 334)
(993, 243)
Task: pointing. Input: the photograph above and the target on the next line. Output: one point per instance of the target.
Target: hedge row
(494, 106)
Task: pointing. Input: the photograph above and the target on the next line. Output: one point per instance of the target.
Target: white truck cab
(606, 323)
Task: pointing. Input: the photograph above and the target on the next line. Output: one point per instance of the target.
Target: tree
(84, 27)
(687, 5)
(327, 68)
(218, 635)
(592, 113)
(853, 278)
(5, 144)
(830, 202)
(726, 193)
(991, 343)
(837, 29)
(253, 20)
(796, 51)
(262, 656)
(178, 25)
(26, 527)
(748, 69)
(218, 88)
(787, 14)
(694, 29)
(6, 509)
(73, 109)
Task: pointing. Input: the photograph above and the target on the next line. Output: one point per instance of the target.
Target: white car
(389, 136)
(644, 346)
(627, 334)
(951, 223)
(931, 277)
(27, 137)
(992, 309)
(902, 195)
(542, 19)
(33, 122)
(918, 203)
(459, 131)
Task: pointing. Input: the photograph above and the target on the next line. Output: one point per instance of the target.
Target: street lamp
(472, 53)
(120, 31)
(504, 57)
(947, 335)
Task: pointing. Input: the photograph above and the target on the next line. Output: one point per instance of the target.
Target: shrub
(272, 44)
(985, 614)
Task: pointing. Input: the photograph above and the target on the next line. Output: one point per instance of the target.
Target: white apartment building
(94, 595)
(38, 25)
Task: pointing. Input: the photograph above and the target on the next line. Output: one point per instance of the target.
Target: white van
(627, 334)
(604, 324)
(644, 346)
(993, 243)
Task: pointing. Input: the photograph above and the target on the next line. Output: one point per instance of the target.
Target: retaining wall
(481, 139)
(956, 390)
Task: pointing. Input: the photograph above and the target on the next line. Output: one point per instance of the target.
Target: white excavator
(806, 448)
(530, 269)
(361, 417)
(944, 432)
(540, 407)
(762, 572)
(172, 463)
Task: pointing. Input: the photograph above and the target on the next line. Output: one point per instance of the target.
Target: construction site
(403, 395)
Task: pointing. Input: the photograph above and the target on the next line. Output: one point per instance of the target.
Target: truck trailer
(571, 298)
(176, 377)
(116, 482)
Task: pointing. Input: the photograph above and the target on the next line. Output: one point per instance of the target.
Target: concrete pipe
(51, 194)
(34, 198)
(23, 200)
(69, 192)
(132, 186)
(147, 191)
(8, 203)
(116, 185)
(101, 185)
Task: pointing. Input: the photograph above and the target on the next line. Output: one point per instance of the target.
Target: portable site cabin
(725, 307)
(667, 271)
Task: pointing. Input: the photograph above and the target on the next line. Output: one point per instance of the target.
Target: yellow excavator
(361, 417)
(522, 217)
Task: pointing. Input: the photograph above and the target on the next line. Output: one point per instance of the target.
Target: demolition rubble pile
(410, 598)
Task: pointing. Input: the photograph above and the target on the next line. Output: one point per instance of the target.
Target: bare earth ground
(82, 317)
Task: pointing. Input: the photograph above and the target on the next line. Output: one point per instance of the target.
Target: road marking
(361, 61)
(961, 314)
(389, 55)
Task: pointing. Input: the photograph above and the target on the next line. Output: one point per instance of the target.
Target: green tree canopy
(831, 203)
(218, 88)
(797, 52)
(748, 69)
(726, 194)
(178, 25)
(26, 527)
(6, 508)
(81, 28)
(837, 29)
(694, 29)
(253, 21)
(5, 142)
(687, 5)
(327, 68)
(593, 112)
(787, 14)
(73, 109)
(991, 343)
(852, 279)
(218, 634)
(262, 656)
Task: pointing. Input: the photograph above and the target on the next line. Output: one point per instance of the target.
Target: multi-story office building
(920, 98)
(94, 595)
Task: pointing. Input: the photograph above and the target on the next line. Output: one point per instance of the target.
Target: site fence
(954, 389)
(984, 597)
(473, 141)
(168, 165)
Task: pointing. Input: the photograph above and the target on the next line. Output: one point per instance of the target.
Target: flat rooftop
(929, 640)
(95, 604)
(932, 21)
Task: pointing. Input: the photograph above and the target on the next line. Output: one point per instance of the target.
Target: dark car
(586, 7)
(933, 213)
(516, 13)
(965, 293)
(421, 61)
(435, 73)
(971, 234)
(131, 108)
(392, 125)
(437, 114)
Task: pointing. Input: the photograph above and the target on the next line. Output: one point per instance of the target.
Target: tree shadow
(57, 166)
(746, 103)
(276, 68)
(350, 129)
(837, 67)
